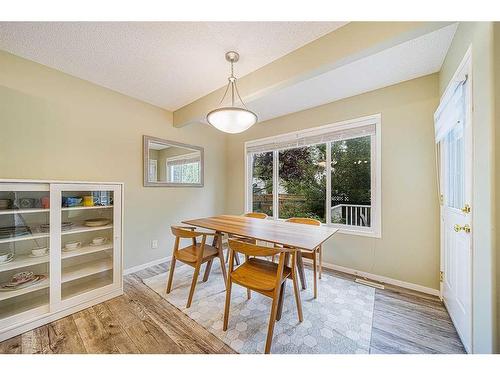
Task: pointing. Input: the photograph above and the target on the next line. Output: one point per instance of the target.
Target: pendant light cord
(232, 80)
(234, 88)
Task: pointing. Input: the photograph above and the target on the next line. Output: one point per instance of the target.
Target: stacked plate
(22, 280)
(67, 225)
(14, 231)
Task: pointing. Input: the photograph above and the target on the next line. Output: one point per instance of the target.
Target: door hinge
(441, 199)
(466, 209)
(441, 276)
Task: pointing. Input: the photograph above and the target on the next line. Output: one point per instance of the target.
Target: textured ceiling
(168, 64)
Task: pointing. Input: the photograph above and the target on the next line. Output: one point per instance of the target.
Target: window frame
(376, 171)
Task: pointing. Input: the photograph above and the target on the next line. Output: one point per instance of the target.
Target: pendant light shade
(232, 119)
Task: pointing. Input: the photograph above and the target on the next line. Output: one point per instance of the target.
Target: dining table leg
(208, 267)
(218, 244)
(300, 270)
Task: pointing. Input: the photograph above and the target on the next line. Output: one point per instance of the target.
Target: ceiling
(408, 60)
(168, 64)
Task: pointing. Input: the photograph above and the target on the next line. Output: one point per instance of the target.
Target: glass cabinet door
(88, 235)
(24, 248)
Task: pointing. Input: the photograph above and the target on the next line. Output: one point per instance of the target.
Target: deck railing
(352, 214)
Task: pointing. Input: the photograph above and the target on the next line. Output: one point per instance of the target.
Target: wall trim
(140, 267)
(383, 279)
(331, 266)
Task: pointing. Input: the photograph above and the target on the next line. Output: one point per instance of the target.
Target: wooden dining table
(300, 236)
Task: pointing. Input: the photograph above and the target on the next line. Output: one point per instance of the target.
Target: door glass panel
(24, 251)
(455, 166)
(262, 183)
(86, 241)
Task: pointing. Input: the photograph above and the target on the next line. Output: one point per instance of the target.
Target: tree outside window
(302, 182)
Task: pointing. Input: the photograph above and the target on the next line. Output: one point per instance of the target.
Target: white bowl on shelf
(39, 251)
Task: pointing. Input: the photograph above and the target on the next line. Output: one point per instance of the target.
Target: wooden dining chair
(317, 253)
(255, 215)
(264, 277)
(195, 255)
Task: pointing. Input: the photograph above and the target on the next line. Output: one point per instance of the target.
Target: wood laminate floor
(140, 321)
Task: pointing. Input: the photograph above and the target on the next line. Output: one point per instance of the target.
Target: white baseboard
(140, 267)
(383, 279)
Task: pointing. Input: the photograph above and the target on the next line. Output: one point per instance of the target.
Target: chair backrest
(255, 250)
(185, 232)
(256, 215)
(304, 220)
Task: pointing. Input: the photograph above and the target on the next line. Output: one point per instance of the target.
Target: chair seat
(189, 254)
(258, 274)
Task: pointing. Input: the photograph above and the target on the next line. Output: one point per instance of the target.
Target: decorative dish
(99, 222)
(16, 285)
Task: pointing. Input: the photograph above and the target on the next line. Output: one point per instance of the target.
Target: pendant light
(232, 119)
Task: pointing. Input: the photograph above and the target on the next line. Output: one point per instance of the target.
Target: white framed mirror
(172, 164)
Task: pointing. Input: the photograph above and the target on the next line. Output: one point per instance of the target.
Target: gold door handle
(465, 228)
(465, 209)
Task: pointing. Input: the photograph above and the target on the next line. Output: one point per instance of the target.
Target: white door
(454, 136)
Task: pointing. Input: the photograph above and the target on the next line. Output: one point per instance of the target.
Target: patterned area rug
(338, 321)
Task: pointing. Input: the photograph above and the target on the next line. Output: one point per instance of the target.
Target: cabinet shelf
(80, 228)
(85, 208)
(87, 284)
(86, 269)
(13, 211)
(23, 261)
(84, 250)
(19, 292)
(38, 302)
(33, 236)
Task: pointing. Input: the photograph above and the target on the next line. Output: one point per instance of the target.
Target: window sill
(352, 231)
(356, 232)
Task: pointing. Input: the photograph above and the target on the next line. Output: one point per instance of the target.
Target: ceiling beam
(349, 43)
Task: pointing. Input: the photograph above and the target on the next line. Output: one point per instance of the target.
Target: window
(184, 169)
(351, 182)
(262, 183)
(302, 182)
(330, 173)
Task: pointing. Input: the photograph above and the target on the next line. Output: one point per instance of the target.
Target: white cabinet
(60, 250)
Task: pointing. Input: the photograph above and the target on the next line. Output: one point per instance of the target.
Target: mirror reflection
(170, 163)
